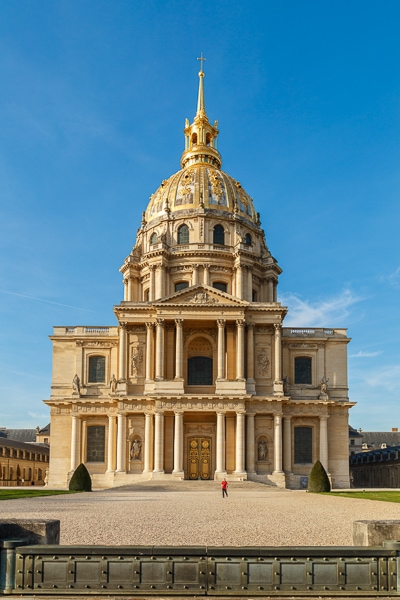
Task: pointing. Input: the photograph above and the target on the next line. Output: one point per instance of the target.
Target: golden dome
(201, 185)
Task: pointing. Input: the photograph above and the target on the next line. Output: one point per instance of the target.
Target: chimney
(395, 428)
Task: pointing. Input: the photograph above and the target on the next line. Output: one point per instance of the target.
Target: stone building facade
(199, 379)
(23, 463)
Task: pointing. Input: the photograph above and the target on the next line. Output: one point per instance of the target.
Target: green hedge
(318, 480)
(81, 480)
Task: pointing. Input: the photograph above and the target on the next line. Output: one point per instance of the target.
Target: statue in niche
(113, 384)
(262, 450)
(76, 384)
(136, 450)
(324, 388)
(286, 384)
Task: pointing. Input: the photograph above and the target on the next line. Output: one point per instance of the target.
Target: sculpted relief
(262, 362)
(136, 361)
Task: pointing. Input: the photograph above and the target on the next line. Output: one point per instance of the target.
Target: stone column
(239, 282)
(270, 290)
(159, 282)
(160, 349)
(250, 441)
(125, 290)
(179, 349)
(195, 274)
(249, 284)
(130, 289)
(206, 275)
(83, 449)
(152, 288)
(323, 442)
(221, 348)
(121, 440)
(239, 470)
(148, 440)
(250, 352)
(112, 426)
(178, 444)
(135, 289)
(275, 291)
(240, 349)
(287, 444)
(278, 383)
(277, 444)
(159, 443)
(149, 350)
(75, 443)
(220, 443)
(123, 334)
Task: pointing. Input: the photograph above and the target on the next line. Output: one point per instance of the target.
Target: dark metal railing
(200, 570)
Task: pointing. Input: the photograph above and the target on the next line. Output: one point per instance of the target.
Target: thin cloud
(387, 378)
(46, 301)
(324, 313)
(394, 278)
(362, 354)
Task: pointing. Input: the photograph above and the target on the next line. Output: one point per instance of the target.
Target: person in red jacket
(224, 486)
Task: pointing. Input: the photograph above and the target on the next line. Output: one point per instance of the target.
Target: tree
(318, 480)
(81, 480)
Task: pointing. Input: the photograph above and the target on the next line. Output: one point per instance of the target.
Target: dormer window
(219, 235)
(247, 239)
(183, 234)
(153, 238)
(194, 139)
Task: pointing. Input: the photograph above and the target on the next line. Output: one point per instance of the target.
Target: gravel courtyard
(194, 513)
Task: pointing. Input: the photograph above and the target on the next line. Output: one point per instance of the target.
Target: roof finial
(201, 104)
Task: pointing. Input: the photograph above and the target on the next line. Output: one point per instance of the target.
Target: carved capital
(160, 322)
(240, 323)
(178, 322)
(221, 323)
(150, 326)
(123, 325)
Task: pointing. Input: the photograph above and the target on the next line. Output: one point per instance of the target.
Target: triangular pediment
(201, 295)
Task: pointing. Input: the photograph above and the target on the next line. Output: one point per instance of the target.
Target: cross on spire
(201, 59)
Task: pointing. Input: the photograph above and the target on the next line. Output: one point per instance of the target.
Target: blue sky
(93, 99)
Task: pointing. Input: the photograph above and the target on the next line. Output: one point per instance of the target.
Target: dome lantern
(201, 136)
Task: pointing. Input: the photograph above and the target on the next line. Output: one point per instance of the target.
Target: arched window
(247, 239)
(254, 296)
(302, 370)
(153, 238)
(97, 369)
(194, 139)
(200, 370)
(219, 235)
(183, 234)
(220, 285)
(181, 285)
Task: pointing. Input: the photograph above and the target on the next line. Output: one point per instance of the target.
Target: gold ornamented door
(199, 457)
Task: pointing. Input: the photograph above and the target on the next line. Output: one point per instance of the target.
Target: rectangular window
(302, 445)
(97, 369)
(96, 435)
(302, 370)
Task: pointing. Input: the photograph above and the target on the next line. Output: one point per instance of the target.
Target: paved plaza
(194, 513)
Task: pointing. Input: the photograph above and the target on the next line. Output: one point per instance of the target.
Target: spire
(201, 104)
(201, 136)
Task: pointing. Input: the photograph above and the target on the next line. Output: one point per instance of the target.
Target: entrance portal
(199, 457)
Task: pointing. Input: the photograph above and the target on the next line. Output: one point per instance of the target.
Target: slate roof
(8, 443)
(375, 439)
(20, 435)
